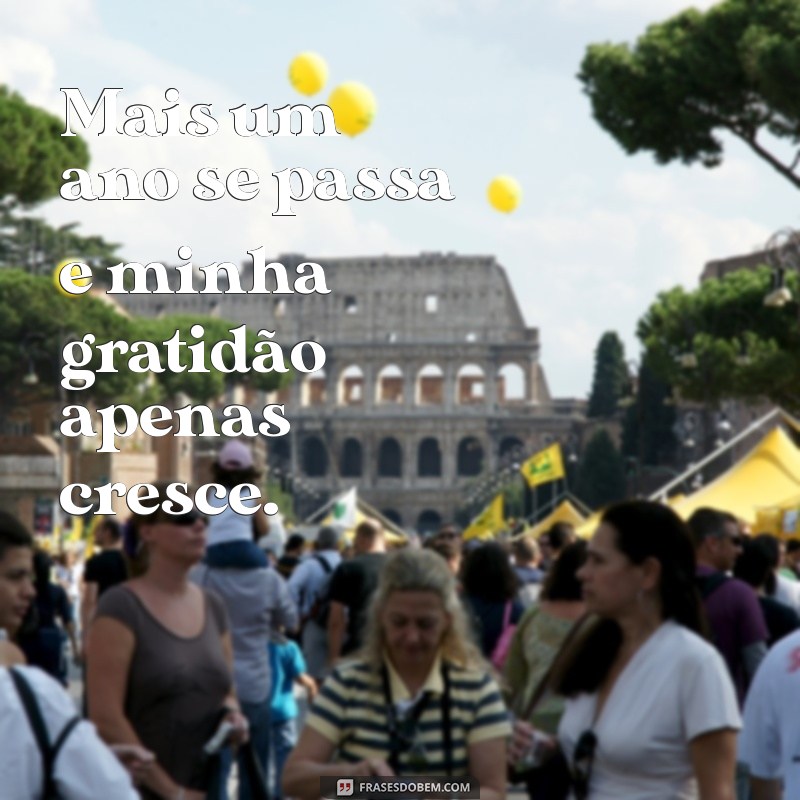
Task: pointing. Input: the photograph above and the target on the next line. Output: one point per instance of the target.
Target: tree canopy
(720, 341)
(611, 381)
(698, 74)
(601, 478)
(38, 321)
(33, 154)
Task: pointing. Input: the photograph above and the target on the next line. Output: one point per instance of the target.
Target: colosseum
(432, 382)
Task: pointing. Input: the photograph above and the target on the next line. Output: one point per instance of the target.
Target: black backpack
(322, 604)
(49, 752)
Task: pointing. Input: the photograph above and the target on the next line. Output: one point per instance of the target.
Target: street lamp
(783, 253)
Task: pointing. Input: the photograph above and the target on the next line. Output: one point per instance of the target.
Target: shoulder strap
(48, 752)
(708, 584)
(34, 714)
(507, 615)
(323, 563)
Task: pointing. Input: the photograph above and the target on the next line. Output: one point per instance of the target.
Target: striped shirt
(350, 711)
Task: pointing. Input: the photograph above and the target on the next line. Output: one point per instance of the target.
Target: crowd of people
(659, 660)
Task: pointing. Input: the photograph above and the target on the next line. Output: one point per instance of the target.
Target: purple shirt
(736, 621)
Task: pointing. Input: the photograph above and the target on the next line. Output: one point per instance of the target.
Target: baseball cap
(235, 455)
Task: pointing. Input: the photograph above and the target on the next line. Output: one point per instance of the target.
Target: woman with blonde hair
(417, 699)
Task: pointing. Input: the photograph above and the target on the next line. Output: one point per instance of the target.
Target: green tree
(611, 381)
(720, 341)
(33, 244)
(601, 477)
(38, 321)
(647, 429)
(201, 386)
(697, 75)
(33, 154)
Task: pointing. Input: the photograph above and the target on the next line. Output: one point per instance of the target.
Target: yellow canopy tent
(565, 511)
(782, 519)
(765, 477)
(589, 525)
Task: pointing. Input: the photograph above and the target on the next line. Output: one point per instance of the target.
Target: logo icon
(344, 787)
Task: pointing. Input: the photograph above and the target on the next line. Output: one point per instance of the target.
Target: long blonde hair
(411, 570)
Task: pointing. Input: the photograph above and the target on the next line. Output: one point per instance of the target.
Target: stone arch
(470, 385)
(314, 389)
(429, 458)
(351, 463)
(351, 386)
(393, 516)
(279, 451)
(429, 386)
(390, 458)
(511, 448)
(429, 521)
(469, 460)
(315, 457)
(510, 384)
(389, 385)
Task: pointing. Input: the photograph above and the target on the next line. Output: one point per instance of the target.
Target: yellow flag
(544, 466)
(488, 522)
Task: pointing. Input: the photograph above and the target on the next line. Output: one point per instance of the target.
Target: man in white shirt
(84, 769)
(768, 743)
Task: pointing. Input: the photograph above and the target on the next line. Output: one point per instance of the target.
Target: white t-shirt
(770, 741)
(229, 525)
(787, 592)
(675, 688)
(85, 768)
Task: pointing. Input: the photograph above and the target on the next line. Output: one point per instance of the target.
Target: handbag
(503, 644)
(49, 752)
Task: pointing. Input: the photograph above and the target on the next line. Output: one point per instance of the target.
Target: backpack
(503, 644)
(49, 752)
(322, 603)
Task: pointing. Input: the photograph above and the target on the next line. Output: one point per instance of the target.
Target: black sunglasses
(186, 519)
(582, 762)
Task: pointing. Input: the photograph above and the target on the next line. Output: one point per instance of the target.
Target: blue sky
(475, 87)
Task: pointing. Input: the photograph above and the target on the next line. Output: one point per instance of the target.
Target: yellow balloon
(504, 193)
(74, 272)
(308, 73)
(353, 107)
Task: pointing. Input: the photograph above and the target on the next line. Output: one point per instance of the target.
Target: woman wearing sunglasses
(417, 700)
(159, 660)
(651, 712)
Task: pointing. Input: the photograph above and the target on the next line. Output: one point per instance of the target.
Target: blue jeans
(258, 716)
(284, 738)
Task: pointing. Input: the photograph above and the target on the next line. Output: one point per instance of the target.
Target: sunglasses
(186, 519)
(582, 762)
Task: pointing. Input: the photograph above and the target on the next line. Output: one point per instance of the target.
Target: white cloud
(654, 9)
(696, 237)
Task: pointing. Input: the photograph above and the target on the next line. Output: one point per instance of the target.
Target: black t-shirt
(106, 569)
(352, 585)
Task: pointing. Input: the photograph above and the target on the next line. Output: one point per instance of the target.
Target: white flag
(344, 510)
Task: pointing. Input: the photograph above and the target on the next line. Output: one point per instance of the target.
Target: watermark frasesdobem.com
(424, 787)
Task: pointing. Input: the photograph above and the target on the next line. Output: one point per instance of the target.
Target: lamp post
(783, 254)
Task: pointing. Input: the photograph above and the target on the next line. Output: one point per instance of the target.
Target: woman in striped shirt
(417, 700)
